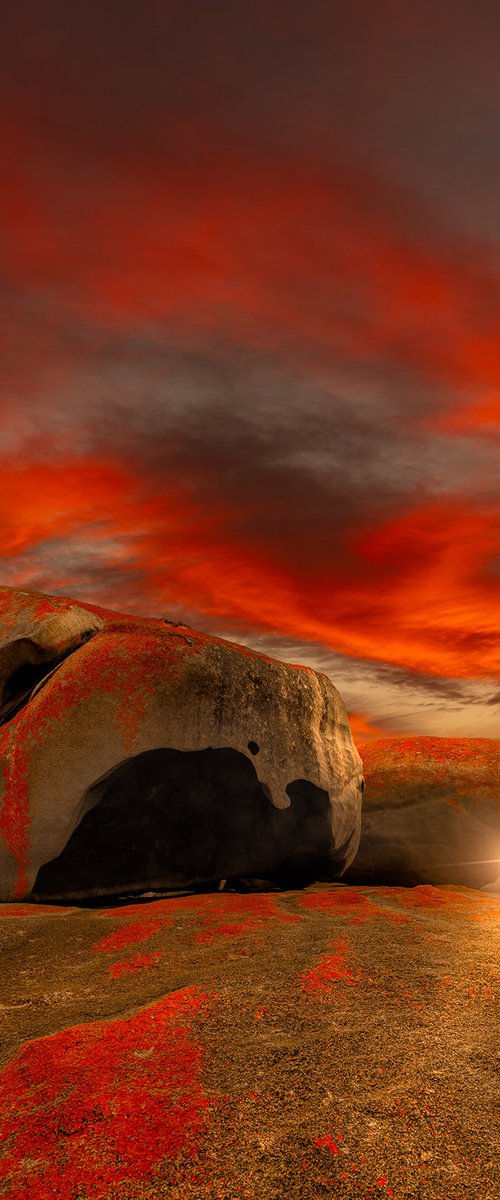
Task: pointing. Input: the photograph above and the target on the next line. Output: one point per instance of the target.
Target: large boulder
(431, 812)
(138, 754)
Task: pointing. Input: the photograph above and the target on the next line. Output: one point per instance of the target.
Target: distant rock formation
(431, 812)
(138, 754)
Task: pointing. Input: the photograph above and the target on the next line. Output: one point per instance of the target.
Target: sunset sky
(250, 326)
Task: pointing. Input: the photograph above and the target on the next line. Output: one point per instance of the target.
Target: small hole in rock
(253, 747)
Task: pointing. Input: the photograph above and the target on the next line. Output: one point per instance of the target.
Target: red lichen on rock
(120, 667)
(212, 910)
(15, 814)
(251, 911)
(220, 931)
(141, 909)
(98, 1107)
(460, 768)
(135, 962)
(344, 901)
(130, 935)
(123, 668)
(330, 971)
(98, 670)
(328, 1143)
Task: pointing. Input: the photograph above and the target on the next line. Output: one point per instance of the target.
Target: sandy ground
(337, 1042)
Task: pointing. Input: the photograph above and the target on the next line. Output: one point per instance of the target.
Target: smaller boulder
(431, 812)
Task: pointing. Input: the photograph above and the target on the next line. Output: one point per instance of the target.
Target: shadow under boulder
(168, 818)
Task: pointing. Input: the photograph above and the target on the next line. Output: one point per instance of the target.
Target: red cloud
(320, 266)
(283, 252)
(420, 590)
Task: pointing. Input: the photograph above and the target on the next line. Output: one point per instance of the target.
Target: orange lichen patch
(332, 969)
(131, 935)
(135, 962)
(99, 1107)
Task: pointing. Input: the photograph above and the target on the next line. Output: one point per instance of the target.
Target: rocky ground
(337, 1042)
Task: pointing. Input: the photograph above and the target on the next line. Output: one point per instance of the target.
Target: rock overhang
(124, 685)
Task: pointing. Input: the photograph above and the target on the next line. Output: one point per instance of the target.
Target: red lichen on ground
(97, 1107)
(330, 971)
(130, 935)
(135, 962)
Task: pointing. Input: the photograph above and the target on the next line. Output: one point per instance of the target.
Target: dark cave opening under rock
(169, 818)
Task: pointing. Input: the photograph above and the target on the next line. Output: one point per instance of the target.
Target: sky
(250, 332)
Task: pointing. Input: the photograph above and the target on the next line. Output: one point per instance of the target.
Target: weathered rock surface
(431, 812)
(136, 754)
